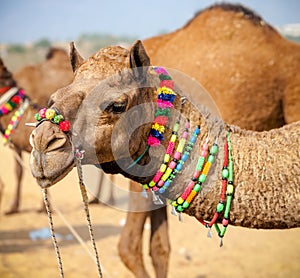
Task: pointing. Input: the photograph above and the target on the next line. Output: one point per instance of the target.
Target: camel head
(99, 105)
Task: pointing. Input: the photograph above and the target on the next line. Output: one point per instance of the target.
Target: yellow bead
(14, 118)
(191, 197)
(152, 183)
(206, 168)
(163, 168)
(229, 189)
(174, 204)
(167, 158)
(166, 174)
(173, 138)
(181, 145)
(180, 201)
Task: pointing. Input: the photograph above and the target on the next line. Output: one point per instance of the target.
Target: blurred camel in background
(38, 82)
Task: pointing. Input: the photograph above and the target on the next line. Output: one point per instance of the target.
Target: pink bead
(187, 125)
(188, 190)
(155, 188)
(177, 155)
(225, 222)
(172, 164)
(160, 183)
(157, 176)
(204, 153)
(185, 135)
(196, 175)
(205, 146)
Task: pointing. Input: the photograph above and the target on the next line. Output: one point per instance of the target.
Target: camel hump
(235, 8)
(55, 51)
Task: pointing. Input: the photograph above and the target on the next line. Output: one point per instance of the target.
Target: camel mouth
(50, 179)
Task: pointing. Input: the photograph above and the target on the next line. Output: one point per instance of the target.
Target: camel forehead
(106, 62)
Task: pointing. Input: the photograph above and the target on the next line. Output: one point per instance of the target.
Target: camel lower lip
(46, 182)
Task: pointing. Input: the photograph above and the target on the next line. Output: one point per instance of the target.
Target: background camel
(249, 69)
(39, 82)
(273, 180)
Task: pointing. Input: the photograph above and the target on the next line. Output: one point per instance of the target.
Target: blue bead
(179, 167)
(193, 139)
(184, 157)
(197, 131)
(161, 190)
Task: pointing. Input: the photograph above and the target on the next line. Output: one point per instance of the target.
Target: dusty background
(246, 253)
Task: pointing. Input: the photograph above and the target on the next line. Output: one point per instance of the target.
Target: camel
(38, 81)
(256, 69)
(266, 191)
(202, 56)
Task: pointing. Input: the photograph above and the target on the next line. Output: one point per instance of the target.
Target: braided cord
(46, 201)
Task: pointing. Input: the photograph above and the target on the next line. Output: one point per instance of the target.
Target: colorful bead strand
(178, 161)
(167, 158)
(165, 99)
(194, 186)
(180, 203)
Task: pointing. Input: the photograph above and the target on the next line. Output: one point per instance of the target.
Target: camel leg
(159, 242)
(130, 243)
(19, 175)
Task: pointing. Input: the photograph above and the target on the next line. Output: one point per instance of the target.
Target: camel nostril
(55, 143)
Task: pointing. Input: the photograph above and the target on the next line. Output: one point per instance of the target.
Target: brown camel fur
(39, 82)
(249, 147)
(250, 70)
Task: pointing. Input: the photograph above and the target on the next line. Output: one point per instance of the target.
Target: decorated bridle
(10, 99)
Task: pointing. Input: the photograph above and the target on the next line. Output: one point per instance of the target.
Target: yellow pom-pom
(50, 113)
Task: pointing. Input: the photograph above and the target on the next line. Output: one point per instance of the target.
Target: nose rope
(78, 157)
(59, 260)
(53, 115)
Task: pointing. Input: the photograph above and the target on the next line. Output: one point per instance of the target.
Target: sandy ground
(246, 253)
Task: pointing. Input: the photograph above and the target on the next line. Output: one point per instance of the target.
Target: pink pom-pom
(161, 120)
(167, 83)
(164, 104)
(42, 112)
(153, 142)
(160, 70)
(4, 110)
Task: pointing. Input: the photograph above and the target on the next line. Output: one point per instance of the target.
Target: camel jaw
(47, 178)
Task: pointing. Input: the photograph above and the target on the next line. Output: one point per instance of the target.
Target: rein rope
(78, 157)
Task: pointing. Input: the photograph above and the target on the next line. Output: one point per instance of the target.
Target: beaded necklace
(227, 190)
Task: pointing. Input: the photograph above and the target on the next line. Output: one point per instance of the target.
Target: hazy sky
(31, 20)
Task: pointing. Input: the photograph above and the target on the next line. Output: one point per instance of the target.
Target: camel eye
(115, 107)
(119, 107)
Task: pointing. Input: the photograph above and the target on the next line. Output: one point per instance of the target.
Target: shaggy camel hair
(265, 163)
(39, 82)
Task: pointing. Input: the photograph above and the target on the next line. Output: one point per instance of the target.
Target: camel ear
(139, 60)
(76, 59)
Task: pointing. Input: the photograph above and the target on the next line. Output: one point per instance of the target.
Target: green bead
(179, 208)
(225, 173)
(197, 187)
(214, 149)
(211, 159)
(185, 204)
(202, 178)
(220, 207)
